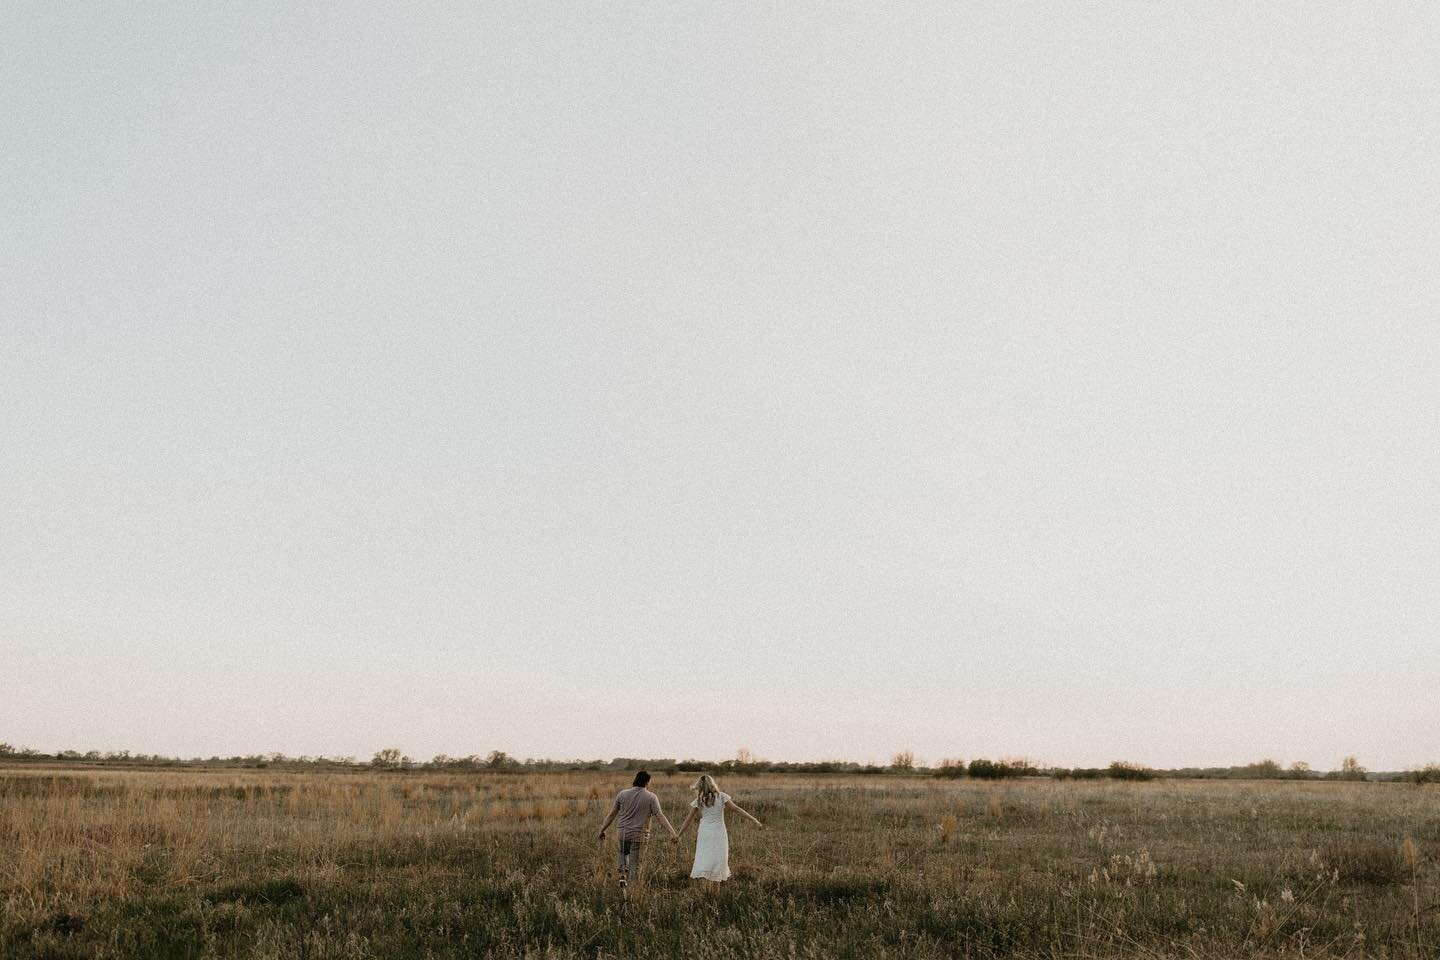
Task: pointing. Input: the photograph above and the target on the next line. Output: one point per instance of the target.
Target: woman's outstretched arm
(732, 805)
(686, 822)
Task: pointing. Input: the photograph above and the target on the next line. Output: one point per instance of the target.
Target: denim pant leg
(628, 861)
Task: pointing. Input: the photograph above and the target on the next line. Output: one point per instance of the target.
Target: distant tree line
(903, 763)
(1350, 769)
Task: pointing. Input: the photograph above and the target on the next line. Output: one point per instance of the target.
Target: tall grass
(373, 864)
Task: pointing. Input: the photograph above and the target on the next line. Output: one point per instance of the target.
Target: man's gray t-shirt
(636, 805)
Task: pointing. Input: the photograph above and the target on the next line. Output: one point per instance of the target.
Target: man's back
(636, 805)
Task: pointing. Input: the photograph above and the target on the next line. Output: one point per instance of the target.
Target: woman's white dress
(712, 843)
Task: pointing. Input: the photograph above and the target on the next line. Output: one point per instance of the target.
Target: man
(635, 807)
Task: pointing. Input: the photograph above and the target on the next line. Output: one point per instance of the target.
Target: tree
(389, 757)
(952, 767)
(1430, 773)
(744, 757)
(904, 760)
(1266, 769)
(1350, 769)
(983, 769)
(498, 759)
(1124, 770)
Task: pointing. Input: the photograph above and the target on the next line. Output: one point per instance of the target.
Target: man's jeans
(628, 862)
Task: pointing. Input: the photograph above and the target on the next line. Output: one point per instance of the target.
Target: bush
(1124, 770)
(1001, 769)
(1350, 769)
(389, 757)
(1082, 773)
(1266, 769)
(1430, 773)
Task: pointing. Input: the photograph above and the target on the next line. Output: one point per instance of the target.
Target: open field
(269, 864)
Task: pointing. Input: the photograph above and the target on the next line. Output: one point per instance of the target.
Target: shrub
(1350, 769)
(389, 757)
(1124, 770)
(1266, 769)
(983, 769)
(1001, 769)
(1084, 773)
(1430, 773)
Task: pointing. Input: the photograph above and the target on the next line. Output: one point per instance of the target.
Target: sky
(660, 379)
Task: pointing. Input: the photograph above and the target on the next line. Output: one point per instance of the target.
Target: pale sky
(590, 380)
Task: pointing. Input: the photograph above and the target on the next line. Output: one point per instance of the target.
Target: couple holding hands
(634, 808)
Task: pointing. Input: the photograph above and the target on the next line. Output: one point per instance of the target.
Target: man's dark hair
(641, 779)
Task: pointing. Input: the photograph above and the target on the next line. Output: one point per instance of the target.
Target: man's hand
(675, 838)
(602, 835)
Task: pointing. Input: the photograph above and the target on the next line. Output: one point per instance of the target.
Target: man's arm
(614, 812)
(688, 817)
(655, 811)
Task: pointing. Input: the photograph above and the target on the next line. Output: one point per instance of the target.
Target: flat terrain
(227, 863)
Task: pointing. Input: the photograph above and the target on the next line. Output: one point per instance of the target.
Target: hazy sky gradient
(1051, 379)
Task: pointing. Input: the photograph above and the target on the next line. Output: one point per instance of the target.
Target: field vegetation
(400, 863)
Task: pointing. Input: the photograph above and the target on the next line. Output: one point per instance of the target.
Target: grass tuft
(261, 892)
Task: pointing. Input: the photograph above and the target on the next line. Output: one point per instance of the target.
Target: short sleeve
(654, 804)
(617, 799)
(724, 798)
(695, 804)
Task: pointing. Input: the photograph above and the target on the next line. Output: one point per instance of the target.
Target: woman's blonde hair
(705, 790)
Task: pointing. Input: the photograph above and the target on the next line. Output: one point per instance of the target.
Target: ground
(272, 864)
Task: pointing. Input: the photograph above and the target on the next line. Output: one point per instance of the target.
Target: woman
(712, 842)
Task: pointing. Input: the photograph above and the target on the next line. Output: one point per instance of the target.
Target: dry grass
(274, 864)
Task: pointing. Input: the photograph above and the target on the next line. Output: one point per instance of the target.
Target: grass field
(229, 863)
